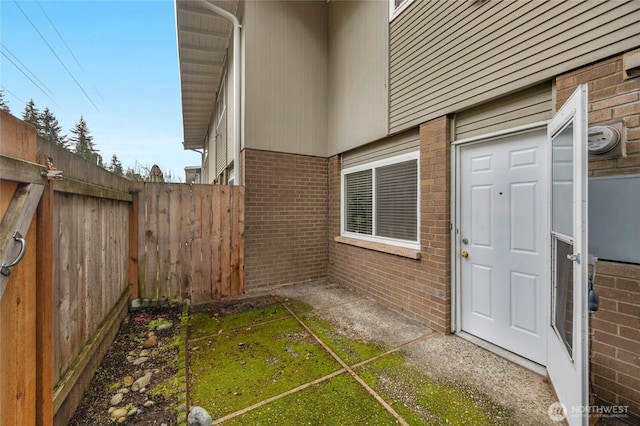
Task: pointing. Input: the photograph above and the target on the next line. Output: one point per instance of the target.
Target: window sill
(384, 248)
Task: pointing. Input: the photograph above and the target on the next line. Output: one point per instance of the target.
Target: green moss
(243, 367)
(114, 387)
(422, 400)
(167, 389)
(338, 401)
(203, 324)
(349, 350)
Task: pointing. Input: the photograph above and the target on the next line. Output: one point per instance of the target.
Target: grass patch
(349, 350)
(204, 324)
(338, 401)
(422, 400)
(244, 366)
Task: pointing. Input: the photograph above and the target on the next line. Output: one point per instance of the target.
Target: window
(380, 201)
(397, 6)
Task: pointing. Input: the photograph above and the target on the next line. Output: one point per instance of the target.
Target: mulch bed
(109, 378)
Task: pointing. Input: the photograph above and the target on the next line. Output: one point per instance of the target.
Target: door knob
(464, 254)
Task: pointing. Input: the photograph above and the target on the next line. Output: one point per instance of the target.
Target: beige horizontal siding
(390, 147)
(525, 107)
(448, 56)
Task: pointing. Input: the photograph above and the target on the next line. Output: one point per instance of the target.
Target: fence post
(44, 306)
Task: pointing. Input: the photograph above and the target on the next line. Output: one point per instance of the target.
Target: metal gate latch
(4, 269)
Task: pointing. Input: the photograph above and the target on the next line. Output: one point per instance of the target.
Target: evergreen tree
(115, 166)
(83, 143)
(31, 115)
(50, 128)
(3, 104)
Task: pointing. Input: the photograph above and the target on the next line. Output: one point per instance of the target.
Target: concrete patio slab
(444, 357)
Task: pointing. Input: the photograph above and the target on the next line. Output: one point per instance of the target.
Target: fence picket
(194, 241)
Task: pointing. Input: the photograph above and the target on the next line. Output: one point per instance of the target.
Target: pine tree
(83, 143)
(3, 104)
(115, 166)
(32, 116)
(51, 129)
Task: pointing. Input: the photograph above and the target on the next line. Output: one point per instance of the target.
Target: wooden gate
(190, 241)
(25, 309)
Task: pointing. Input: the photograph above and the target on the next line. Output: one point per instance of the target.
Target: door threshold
(516, 359)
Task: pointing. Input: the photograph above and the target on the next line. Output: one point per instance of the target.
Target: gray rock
(141, 383)
(141, 360)
(116, 399)
(198, 416)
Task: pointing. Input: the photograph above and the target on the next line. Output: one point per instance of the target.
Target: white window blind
(381, 201)
(358, 202)
(397, 201)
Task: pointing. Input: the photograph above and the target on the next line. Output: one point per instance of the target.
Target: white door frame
(456, 300)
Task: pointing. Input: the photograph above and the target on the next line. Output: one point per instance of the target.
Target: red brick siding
(615, 343)
(285, 219)
(417, 288)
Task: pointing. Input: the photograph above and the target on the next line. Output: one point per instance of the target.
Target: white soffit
(203, 38)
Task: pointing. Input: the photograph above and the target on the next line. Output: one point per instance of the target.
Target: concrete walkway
(525, 394)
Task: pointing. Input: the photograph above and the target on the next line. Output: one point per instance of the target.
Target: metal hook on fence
(4, 269)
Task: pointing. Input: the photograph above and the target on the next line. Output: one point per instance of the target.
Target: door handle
(5, 269)
(464, 254)
(574, 257)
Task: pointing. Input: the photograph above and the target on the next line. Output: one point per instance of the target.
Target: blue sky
(123, 57)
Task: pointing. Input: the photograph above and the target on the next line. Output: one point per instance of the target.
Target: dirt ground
(109, 378)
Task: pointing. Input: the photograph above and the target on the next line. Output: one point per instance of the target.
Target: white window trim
(393, 12)
(373, 165)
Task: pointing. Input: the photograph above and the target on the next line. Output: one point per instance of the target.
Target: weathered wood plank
(134, 212)
(187, 236)
(196, 255)
(225, 248)
(75, 186)
(234, 285)
(18, 218)
(16, 170)
(207, 253)
(175, 241)
(216, 240)
(164, 200)
(44, 308)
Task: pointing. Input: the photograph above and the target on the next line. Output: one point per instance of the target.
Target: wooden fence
(95, 241)
(191, 242)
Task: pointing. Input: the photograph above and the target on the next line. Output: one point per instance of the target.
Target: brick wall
(285, 219)
(615, 343)
(417, 288)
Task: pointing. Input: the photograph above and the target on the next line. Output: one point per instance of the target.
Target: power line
(25, 67)
(67, 46)
(30, 79)
(58, 58)
(59, 35)
(12, 94)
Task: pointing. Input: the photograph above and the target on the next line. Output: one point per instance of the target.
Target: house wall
(418, 288)
(449, 56)
(285, 219)
(615, 345)
(285, 82)
(358, 73)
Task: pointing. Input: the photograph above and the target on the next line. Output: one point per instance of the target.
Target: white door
(567, 361)
(502, 255)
